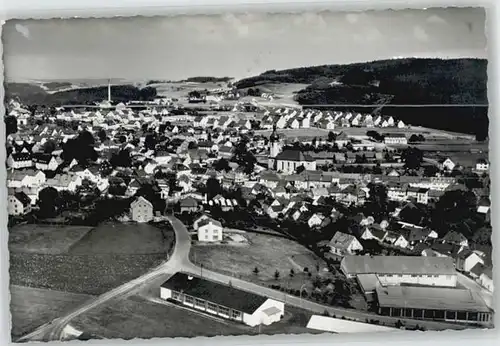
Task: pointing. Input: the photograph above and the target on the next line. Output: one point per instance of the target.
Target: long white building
(222, 300)
(406, 270)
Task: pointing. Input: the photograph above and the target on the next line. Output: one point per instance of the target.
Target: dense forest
(30, 94)
(398, 82)
(407, 81)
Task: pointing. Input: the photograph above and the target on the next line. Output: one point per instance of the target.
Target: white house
(315, 220)
(19, 204)
(447, 164)
(344, 244)
(395, 138)
(222, 300)
(141, 210)
(467, 259)
(19, 160)
(486, 279)
(46, 163)
(482, 165)
(209, 230)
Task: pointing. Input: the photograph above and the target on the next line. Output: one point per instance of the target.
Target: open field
(45, 239)
(89, 274)
(265, 252)
(115, 238)
(292, 133)
(138, 318)
(32, 307)
(104, 258)
(180, 90)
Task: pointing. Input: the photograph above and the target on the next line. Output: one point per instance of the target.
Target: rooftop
(435, 298)
(293, 155)
(399, 264)
(215, 292)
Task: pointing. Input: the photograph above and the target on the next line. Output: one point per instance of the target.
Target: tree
(452, 210)
(49, 146)
(243, 157)
(150, 141)
(122, 159)
(331, 136)
(10, 125)
(376, 205)
(412, 157)
(413, 139)
(256, 271)
(276, 275)
(222, 165)
(80, 148)
(102, 135)
(300, 169)
(292, 273)
(430, 171)
(213, 188)
(48, 200)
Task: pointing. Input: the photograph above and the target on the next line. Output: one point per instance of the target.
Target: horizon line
(145, 79)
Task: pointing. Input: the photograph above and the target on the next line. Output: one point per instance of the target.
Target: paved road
(179, 261)
(189, 267)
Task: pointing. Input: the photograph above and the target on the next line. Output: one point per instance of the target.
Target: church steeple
(274, 147)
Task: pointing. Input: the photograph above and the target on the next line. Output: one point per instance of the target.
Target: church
(287, 161)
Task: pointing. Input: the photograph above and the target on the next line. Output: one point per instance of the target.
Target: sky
(234, 45)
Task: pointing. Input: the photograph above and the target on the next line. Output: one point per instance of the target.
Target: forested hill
(397, 81)
(32, 94)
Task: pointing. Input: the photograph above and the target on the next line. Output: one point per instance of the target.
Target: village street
(179, 261)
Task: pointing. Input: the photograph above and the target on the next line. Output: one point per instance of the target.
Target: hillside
(404, 81)
(397, 82)
(31, 94)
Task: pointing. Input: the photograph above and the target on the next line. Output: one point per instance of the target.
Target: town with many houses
(406, 229)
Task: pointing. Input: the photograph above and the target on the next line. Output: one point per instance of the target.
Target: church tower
(274, 148)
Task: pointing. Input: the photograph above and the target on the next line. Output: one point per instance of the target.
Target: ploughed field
(85, 260)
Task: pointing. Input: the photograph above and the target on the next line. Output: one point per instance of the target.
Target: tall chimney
(109, 90)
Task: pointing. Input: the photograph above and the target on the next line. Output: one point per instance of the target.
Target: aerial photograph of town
(248, 174)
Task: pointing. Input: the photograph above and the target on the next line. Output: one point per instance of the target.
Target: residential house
(19, 204)
(45, 162)
(315, 220)
(482, 165)
(209, 230)
(396, 239)
(453, 237)
(19, 160)
(467, 259)
(189, 205)
(486, 278)
(374, 232)
(395, 138)
(141, 210)
(446, 164)
(344, 244)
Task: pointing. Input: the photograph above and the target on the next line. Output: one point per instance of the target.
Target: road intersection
(179, 262)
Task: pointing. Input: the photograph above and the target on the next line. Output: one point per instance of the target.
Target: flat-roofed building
(222, 300)
(433, 303)
(397, 270)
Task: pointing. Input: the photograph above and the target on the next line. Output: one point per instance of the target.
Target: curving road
(179, 261)
(180, 255)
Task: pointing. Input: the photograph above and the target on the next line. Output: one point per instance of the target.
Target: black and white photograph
(248, 173)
